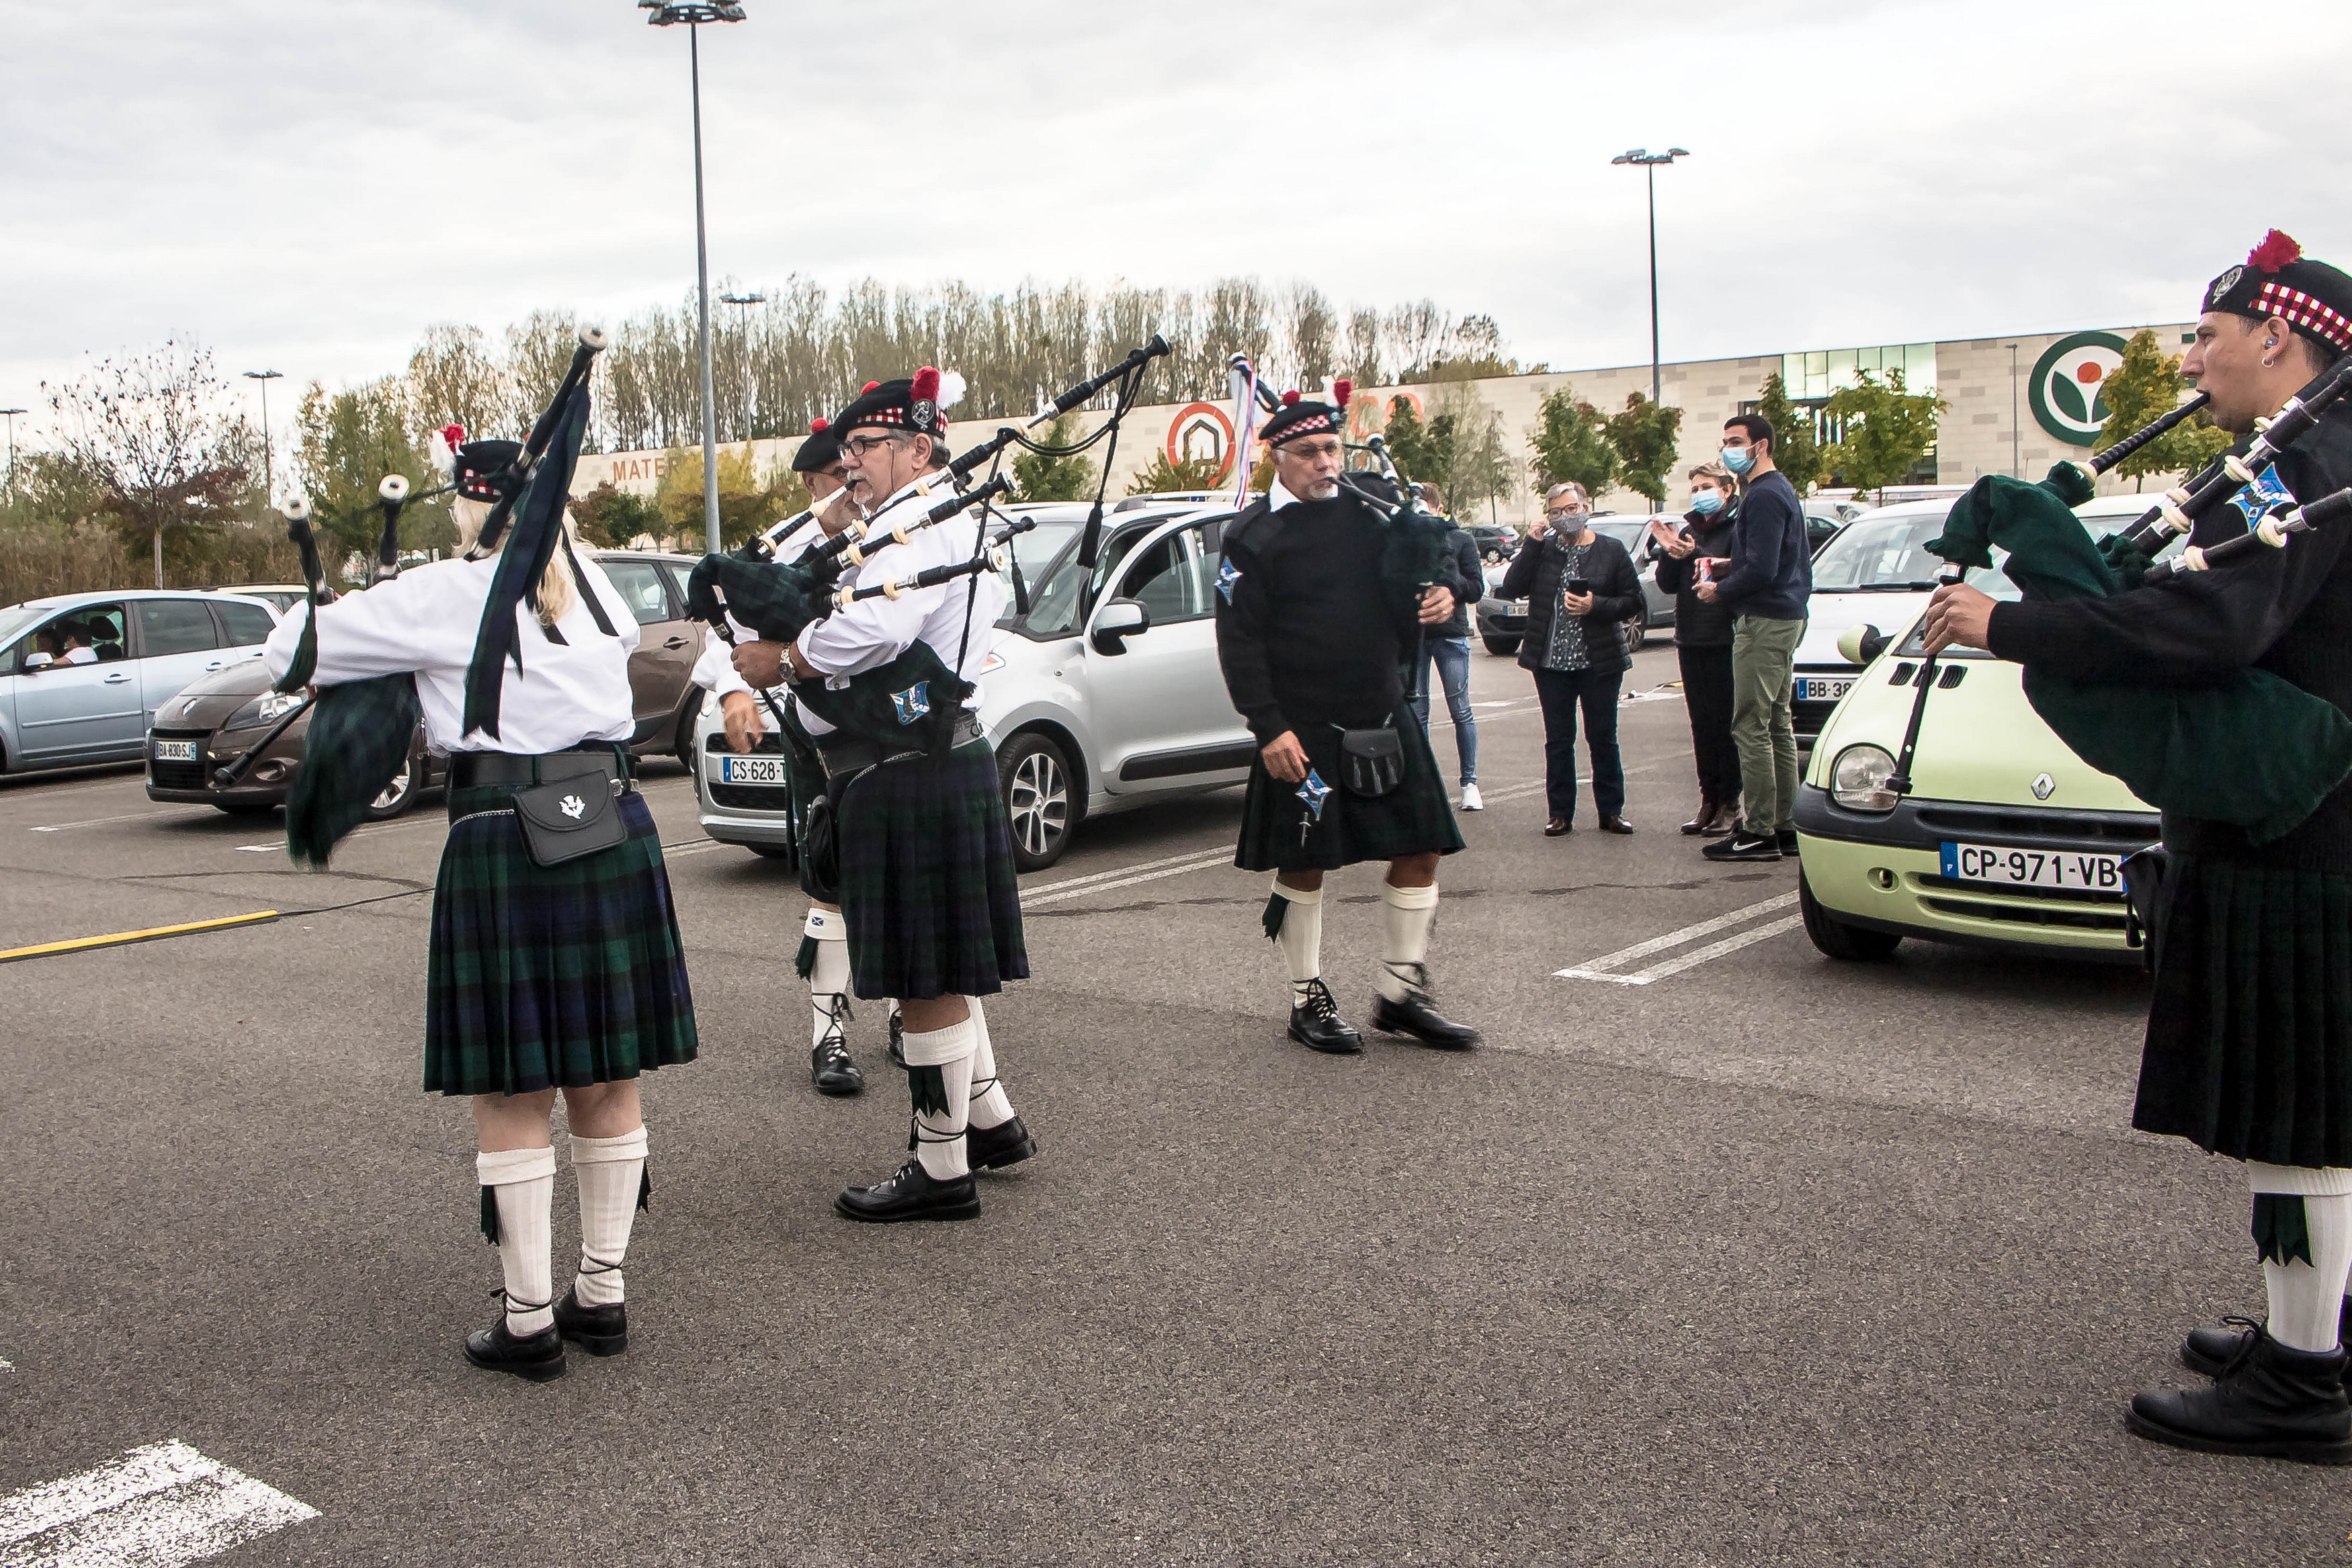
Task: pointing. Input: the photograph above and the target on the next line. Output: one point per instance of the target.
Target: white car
(1877, 571)
(1102, 691)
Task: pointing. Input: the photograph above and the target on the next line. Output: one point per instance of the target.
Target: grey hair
(1568, 488)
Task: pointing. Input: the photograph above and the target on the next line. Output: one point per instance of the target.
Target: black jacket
(1535, 576)
(1308, 629)
(1697, 623)
(1465, 596)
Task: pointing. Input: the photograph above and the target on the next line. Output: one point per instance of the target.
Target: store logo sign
(1201, 432)
(2068, 390)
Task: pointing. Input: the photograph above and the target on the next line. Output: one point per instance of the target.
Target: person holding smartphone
(1688, 556)
(1579, 585)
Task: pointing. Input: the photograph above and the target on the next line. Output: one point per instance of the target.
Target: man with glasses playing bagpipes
(2217, 685)
(910, 813)
(1326, 584)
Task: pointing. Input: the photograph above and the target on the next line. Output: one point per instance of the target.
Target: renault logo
(2044, 786)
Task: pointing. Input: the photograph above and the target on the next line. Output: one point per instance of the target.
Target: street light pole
(2016, 462)
(269, 452)
(694, 16)
(1648, 162)
(10, 415)
(743, 303)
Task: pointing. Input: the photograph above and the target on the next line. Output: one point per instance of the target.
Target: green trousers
(1763, 657)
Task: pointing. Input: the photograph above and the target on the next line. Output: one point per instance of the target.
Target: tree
(2144, 386)
(1041, 477)
(614, 518)
(349, 441)
(1161, 476)
(451, 376)
(1570, 443)
(1796, 450)
(152, 433)
(1424, 451)
(1483, 469)
(745, 505)
(1887, 430)
(1645, 437)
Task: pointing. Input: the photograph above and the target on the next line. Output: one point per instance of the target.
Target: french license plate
(752, 770)
(176, 751)
(1515, 607)
(1822, 688)
(2003, 863)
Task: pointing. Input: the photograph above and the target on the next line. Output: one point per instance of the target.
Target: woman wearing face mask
(1702, 643)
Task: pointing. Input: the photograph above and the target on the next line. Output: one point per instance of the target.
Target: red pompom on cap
(819, 426)
(927, 385)
(868, 387)
(2275, 251)
(1342, 390)
(1290, 398)
(455, 434)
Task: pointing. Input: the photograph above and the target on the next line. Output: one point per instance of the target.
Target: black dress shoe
(1558, 826)
(599, 1331)
(1415, 1017)
(912, 1193)
(2207, 1351)
(1615, 825)
(537, 1356)
(1744, 846)
(1315, 1024)
(1701, 820)
(2269, 1402)
(829, 1068)
(994, 1148)
(1788, 837)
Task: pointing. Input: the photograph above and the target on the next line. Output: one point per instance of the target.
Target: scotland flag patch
(2266, 494)
(1314, 791)
(914, 701)
(1227, 575)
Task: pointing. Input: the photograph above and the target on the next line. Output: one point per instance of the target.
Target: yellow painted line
(123, 939)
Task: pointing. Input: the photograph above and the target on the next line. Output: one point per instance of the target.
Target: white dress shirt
(873, 632)
(424, 622)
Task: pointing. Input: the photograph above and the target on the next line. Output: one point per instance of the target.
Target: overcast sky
(308, 185)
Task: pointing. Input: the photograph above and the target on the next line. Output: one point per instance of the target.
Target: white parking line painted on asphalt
(1126, 876)
(1608, 966)
(126, 817)
(154, 1507)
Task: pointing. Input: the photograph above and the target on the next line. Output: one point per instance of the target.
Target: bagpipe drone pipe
(2251, 750)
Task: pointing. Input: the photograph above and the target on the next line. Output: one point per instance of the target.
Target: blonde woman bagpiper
(548, 967)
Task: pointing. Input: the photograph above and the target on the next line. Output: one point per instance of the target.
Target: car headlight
(267, 708)
(1858, 779)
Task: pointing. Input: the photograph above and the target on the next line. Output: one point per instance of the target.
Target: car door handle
(116, 680)
(675, 642)
(216, 664)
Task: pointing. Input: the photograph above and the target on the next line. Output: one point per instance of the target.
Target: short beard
(1320, 489)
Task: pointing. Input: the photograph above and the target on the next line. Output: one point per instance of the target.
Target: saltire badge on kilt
(1227, 575)
(1313, 792)
(913, 703)
(2263, 496)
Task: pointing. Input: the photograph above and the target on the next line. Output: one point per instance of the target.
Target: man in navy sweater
(1770, 573)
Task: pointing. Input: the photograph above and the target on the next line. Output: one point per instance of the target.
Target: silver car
(1102, 689)
(82, 674)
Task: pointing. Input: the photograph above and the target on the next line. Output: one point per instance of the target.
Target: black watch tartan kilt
(2249, 1048)
(1282, 831)
(551, 976)
(928, 887)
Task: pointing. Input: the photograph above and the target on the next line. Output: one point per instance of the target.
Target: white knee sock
(1301, 937)
(522, 1183)
(1406, 914)
(989, 1105)
(2306, 1300)
(829, 979)
(938, 1134)
(612, 1173)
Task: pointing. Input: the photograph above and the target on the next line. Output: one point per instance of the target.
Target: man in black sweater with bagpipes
(1324, 586)
(2249, 1043)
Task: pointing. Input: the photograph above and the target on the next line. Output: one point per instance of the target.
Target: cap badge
(2223, 284)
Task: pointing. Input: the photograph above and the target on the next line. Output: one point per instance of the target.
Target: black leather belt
(854, 754)
(472, 769)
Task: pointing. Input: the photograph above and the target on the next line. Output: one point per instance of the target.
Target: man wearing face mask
(1313, 635)
(1764, 589)
(1702, 633)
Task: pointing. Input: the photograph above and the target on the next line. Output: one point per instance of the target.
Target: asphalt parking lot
(1767, 1259)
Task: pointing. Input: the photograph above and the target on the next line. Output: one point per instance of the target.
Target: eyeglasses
(857, 446)
(1307, 451)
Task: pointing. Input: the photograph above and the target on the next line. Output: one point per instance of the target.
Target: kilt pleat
(928, 886)
(1416, 818)
(2249, 1046)
(551, 976)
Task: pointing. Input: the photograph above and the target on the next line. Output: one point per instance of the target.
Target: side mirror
(1862, 644)
(1117, 621)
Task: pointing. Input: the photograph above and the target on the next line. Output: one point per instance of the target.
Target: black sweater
(2285, 610)
(1472, 588)
(1697, 623)
(1309, 631)
(1535, 576)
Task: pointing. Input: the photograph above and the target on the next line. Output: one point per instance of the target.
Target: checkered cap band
(1310, 425)
(2276, 298)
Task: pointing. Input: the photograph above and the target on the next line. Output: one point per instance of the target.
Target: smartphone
(1576, 585)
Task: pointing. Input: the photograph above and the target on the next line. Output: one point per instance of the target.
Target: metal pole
(268, 453)
(11, 414)
(1652, 171)
(702, 284)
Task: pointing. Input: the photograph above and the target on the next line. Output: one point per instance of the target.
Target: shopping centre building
(2017, 404)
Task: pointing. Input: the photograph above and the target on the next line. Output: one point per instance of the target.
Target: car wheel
(1633, 634)
(682, 741)
(1501, 647)
(1835, 938)
(1035, 777)
(401, 793)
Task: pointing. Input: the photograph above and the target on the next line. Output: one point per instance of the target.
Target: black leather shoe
(1558, 828)
(537, 1357)
(2207, 1351)
(599, 1331)
(1742, 846)
(912, 1193)
(1701, 820)
(2269, 1403)
(829, 1068)
(1315, 1024)
(994, 1148)
(1615, 825)
(1787, 838)
(1415, 1017)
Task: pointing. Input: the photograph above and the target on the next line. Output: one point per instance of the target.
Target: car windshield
(1626, 533)
(15, 619)
(1889, 555)
(1049, 566)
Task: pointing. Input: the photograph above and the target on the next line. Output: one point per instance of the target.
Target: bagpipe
(2252, 750)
